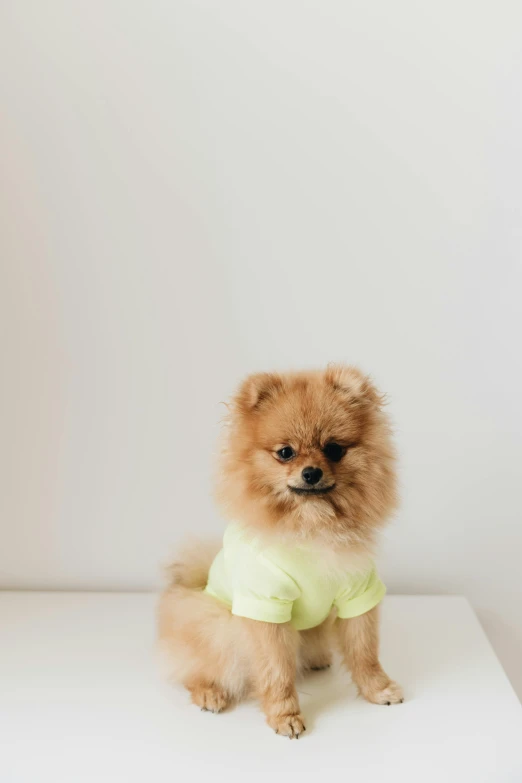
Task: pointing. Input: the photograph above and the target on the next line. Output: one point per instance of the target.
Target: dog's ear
(256, 389)
(354, 384)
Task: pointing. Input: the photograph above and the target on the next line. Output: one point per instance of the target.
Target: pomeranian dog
(306, 479)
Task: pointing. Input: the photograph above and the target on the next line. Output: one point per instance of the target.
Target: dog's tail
(190, 569)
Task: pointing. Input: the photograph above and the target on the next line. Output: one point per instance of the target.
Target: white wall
(193, 190)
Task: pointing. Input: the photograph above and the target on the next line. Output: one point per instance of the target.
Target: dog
(306, 479)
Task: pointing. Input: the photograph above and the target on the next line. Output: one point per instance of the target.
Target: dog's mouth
(310, 490)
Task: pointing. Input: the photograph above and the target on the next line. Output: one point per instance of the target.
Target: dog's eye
(286, 453)
(334, 452)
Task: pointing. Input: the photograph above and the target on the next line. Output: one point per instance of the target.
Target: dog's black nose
(312, 475)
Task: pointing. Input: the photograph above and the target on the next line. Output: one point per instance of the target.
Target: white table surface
(81, 699)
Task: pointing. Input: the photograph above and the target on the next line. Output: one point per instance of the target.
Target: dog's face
(309, 452)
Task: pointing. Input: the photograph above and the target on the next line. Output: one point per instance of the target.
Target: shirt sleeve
(360, 594)
(261, 590)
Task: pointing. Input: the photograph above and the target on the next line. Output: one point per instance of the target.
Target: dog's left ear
(354, 384)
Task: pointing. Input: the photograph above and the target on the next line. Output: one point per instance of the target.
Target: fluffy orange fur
(221, 658)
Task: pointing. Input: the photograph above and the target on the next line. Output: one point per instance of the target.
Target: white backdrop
(193, 190)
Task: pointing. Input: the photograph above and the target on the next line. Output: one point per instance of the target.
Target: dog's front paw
(210, 699)
(379, 693)
(288, 725)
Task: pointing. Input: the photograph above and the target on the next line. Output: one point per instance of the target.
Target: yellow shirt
(279, 584)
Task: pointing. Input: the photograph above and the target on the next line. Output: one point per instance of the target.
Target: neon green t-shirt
(279, 584)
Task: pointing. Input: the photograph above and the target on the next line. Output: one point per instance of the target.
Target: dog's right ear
(257, 389)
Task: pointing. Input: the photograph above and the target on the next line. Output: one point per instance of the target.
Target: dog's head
(309, 453)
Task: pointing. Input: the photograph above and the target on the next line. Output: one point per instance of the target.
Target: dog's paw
(391, 693)
(210, 699)
(320, 662)
(288, 725)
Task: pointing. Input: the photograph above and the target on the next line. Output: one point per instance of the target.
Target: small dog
(307, 478)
